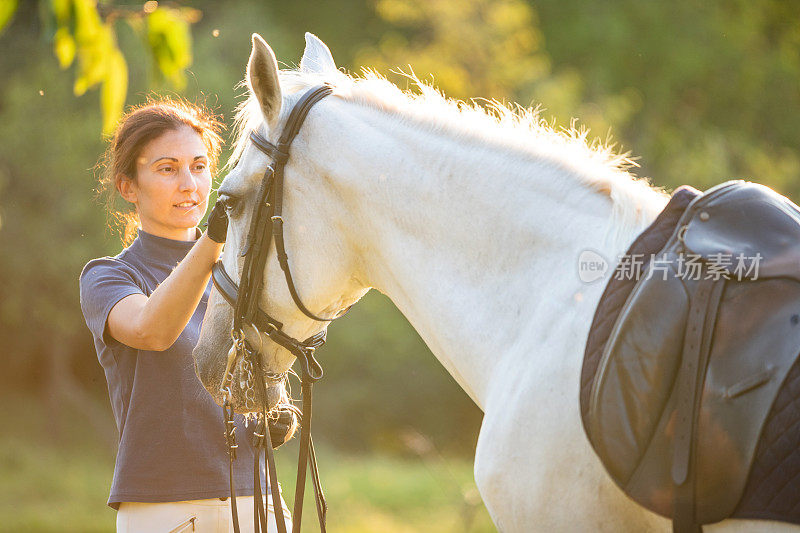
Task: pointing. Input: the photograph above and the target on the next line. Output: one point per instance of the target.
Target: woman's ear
(127, 189)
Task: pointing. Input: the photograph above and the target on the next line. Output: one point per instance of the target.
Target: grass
(57, 479)
(381, 493)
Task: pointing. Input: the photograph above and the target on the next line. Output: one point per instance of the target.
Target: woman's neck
(175, 234)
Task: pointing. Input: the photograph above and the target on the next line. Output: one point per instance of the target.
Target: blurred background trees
(701, 92)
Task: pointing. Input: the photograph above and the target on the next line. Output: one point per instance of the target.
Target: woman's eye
(166, 169)
(199, 168)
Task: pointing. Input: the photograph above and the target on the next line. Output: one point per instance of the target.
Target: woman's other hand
(283, 426)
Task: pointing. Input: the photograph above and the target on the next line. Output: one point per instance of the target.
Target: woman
(144, 308)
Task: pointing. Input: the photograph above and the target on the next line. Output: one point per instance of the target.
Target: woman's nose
(188, 182)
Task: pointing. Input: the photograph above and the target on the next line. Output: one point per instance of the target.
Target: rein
(266, 225)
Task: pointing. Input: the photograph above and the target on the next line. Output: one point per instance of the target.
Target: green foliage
(7, 9)
(115, 87)
(170, 40)
(703, 92)
(46, 206)
(487, 48)
(700, 91)
(708, 90)
(377, 492)
(79, 31)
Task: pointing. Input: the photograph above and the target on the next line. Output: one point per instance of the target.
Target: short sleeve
(103, 283)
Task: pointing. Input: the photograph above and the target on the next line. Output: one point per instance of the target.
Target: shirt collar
(162, 249)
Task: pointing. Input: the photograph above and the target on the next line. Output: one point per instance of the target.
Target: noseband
(266, 224)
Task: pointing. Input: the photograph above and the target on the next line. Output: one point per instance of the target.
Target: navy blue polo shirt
(172, 446)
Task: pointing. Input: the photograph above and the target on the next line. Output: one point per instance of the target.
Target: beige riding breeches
(203, 516)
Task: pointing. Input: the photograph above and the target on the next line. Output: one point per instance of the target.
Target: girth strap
(691, 375)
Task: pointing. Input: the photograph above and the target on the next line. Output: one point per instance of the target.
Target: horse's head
(321, 261)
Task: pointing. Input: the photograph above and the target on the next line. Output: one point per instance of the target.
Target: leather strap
(306, 455)
(319, 495)
(271, 327)
(229, 291)
(267, 224)
(295, 120)
(251, 279)
(302, 461)
(277, 506)
(230, 439)
(260, 513)
(234, 510)
(691, 375)
(263, 428)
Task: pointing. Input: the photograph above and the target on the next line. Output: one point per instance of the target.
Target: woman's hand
(217, 223)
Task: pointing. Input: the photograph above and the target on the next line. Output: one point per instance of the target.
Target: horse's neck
(475, 243)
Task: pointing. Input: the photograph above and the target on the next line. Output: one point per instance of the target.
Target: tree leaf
(170, 40)
(113, 91)
(95, 41)
(87, 21)
(7, 10)
(64, 47)
(62, 10)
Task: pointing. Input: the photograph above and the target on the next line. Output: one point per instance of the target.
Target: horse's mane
(596, 163)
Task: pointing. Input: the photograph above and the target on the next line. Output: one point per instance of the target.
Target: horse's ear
(262, 77)
(317, 57)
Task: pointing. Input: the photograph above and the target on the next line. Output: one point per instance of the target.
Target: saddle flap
(749, 339)
(636, 373)
(745, 231)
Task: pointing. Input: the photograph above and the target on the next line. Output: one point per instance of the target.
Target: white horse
(472, 222)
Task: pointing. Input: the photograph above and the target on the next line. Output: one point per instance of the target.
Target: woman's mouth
(187, 205)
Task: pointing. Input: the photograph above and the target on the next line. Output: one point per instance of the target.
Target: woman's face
(172, 184)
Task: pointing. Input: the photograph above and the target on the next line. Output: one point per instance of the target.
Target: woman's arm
(155, 322)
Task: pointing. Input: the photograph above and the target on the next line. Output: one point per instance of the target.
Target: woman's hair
(139, 126)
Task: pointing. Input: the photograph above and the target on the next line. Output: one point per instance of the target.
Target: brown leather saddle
(691, 343)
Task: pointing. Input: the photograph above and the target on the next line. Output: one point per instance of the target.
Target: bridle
(266, 224)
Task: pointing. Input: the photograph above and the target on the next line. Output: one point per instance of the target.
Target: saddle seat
(685, 359)
(747, 219)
